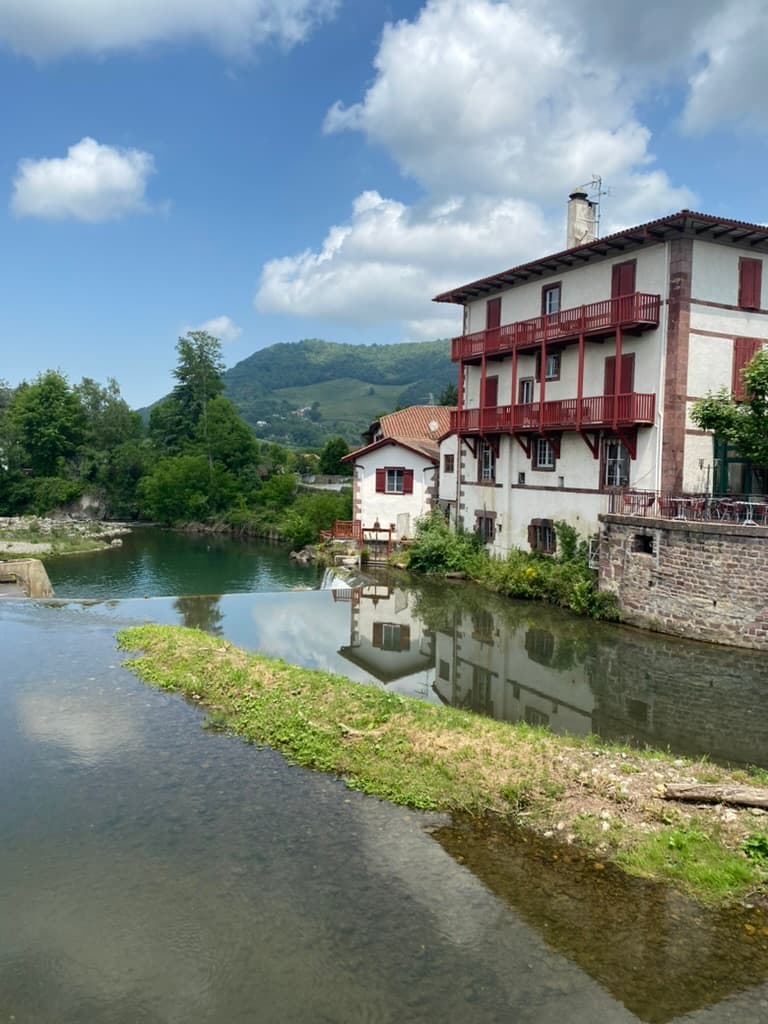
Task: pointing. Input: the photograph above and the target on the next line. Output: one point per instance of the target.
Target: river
(151, 871)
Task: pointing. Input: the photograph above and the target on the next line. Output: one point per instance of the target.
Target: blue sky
(281, 169)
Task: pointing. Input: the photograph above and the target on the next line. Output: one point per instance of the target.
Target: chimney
(581, 219)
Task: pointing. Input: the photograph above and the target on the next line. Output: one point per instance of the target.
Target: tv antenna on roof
(595, 190)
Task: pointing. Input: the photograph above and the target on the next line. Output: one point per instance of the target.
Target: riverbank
(607, 801)
(36, 537)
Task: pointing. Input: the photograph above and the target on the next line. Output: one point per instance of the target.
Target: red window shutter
(623, 278)
(537, 371)
(493, 314)
(491, 396)
(405, 638)
(381, 481)
(407, 481)
(533, 540)
(744, 350)
(627, 374)
(750, 283)
(378, 634)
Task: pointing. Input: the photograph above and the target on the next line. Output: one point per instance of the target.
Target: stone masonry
(706, 581)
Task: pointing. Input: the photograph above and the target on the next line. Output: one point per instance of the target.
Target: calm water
(151, 871)
(156, 563)
(456, 644)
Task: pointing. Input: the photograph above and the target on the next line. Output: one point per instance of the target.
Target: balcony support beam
(592, 443)
(617, 378)
(580, 382)
(524, 440)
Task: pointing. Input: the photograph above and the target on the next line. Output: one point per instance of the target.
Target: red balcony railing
(633, 409)
(635, 311)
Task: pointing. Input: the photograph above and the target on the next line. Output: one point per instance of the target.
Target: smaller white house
(395, 478)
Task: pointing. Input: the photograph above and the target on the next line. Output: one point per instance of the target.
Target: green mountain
(304, 392)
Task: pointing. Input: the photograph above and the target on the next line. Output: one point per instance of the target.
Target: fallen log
(737, 796)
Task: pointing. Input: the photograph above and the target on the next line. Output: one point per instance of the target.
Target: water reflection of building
(516, 661)
(513, 673)
(388, 640)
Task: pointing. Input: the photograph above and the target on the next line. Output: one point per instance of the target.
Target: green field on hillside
(345, 399)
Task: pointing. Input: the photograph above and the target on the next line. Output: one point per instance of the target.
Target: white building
(395, 474)
(577, 372)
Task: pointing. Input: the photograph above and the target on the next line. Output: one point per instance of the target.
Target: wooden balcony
(591, 413)
(636, 312)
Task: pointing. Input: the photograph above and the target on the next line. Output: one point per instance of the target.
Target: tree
(108, 418)
(449, 395)
(199, 376)
(744, 425)
(334, 449)
(45, 424)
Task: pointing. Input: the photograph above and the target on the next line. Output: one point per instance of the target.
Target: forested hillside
(307, 391)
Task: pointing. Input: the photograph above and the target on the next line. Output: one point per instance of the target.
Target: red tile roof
(419, 427)
(704, 226)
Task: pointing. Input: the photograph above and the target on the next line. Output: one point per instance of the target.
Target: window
(750, 281)
(444, 670)
(553, 366)
(525, 391)
(542, 536)
(540, 645)
(616, 464)
(485, 526)
(486, 465)
(492, 314)
(543, 454)
(550, 299)
(744, 350)
(449, 463)
(391, 636)
(394, 480)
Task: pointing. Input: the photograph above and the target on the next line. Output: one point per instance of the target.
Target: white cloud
(44, 29)
(479, 96)
(222, 327)
(728, 87)
(92, 183)
(386, 263)
(498, 115)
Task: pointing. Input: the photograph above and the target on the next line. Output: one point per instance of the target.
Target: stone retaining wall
(705, 581)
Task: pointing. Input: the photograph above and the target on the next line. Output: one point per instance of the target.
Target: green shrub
(565, 580)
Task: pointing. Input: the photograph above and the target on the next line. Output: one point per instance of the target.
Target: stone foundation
(705, 581)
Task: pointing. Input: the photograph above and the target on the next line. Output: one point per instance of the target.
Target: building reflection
(517, 661)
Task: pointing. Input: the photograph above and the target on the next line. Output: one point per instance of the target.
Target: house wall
(713, 327)
(391, 510)
(705, 581)
(591, 283)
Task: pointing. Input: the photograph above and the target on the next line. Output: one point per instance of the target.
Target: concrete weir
(24, 577)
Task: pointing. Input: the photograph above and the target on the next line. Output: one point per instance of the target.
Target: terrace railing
(561, 414)
(746, 510)
(638, 310)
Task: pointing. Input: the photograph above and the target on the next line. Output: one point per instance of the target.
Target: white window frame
(544, 447)
(552, 299)
(394, 481)
(552, 368)
(617, 464)
(487, 462)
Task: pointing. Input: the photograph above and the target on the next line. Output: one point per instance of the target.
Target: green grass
(62, 542)
(436, 758)
(345, 399)
(694, 859)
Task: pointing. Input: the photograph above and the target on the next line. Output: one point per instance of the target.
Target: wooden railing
(344, 529)
(563, 414)
(639, 309)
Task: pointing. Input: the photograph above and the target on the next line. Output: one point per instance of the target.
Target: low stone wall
(705, 581)
(29, 575)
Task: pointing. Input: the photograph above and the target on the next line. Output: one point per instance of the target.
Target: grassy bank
(34, 537)
(604, 799)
